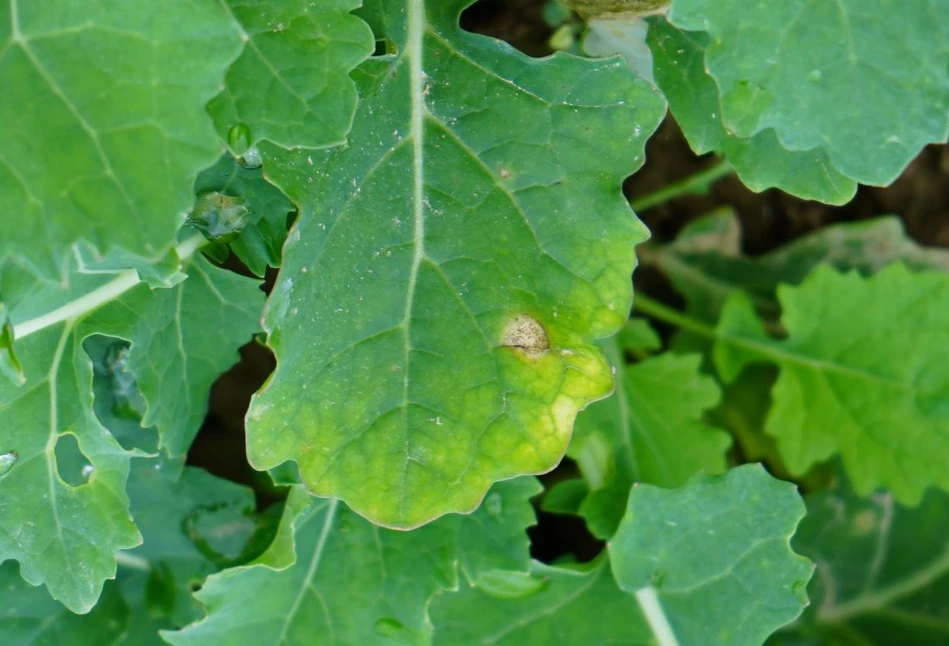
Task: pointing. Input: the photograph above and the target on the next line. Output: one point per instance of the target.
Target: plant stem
(131, 561)
(655, 616)
(123, 282)
(692, 185)
(664, 313)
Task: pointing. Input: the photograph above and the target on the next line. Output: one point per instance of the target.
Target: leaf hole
(73, 466)
(521, 24)
(117, 402)
(386, 47)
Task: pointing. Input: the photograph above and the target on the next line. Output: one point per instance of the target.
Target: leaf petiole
(697, 184)
(123, 282)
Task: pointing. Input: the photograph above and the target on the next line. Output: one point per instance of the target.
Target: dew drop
(238, 138)
(219, 217)
(815, 76)
(252, 159)
(7, 460)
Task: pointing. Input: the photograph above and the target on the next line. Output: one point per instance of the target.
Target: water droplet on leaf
(219, 217)
(238, 138)
(252, 159)
(7, 460)
(815, 76)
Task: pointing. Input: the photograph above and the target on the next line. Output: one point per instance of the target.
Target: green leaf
(65, 510)
(710, 563)
(152, 590)
(29, 617)
(291, 83)
(192, 524)
(434, 318)
(882, 569)
(355, 583)
(705, 564)
(760, 160)
(104, 121)
(258, 243)
(866, 80)
(650, 430)
(568, 607)
(864, 373)
(705, 262)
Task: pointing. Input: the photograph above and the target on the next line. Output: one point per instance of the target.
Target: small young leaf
(650, 430)
(435, 315)
(291, 83)
(864, 372)
(711, 561)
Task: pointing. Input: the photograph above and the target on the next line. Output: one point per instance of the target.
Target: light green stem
(697, 184)
(672, 316)
(123, 282)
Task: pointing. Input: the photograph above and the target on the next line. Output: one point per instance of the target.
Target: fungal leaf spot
(526, 333)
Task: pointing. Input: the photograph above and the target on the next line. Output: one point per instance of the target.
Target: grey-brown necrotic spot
(526, 332)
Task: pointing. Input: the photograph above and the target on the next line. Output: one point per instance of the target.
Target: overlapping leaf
(572, 607)
(705, 564)
(864, 373)
(882, 570)
(104, 122)
(257, 236)
(650, 431)
(866, 80)
(354, 583)
(759, 159)
(705, 262)
(63, 504)
(711, 561)
(434, 318)
(180, 514)
(291, 83)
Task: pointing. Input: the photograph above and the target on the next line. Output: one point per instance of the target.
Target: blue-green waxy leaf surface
(104, 122)
(864, 372)
(865, 80)
(707, 564)
(291, 83)
(63, 503)
(183, 514)
(352, 582)
(760, 159)
(711, 563)
(434, 318)
(882, 570)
